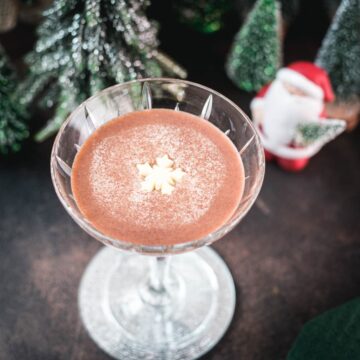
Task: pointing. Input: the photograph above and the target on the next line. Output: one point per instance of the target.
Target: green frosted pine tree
(340, 51)
(86, 45)
(256, 52)
(13, 127)
(289, 8)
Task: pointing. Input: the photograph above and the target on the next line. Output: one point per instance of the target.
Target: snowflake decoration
(163, 175)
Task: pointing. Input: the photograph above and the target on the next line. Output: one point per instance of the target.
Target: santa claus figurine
(290, 115)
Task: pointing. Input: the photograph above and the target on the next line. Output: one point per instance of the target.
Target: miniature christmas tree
(289, 8)
(340, 51)
(13, 128)
(256, 53)
(309, 133)
(87, 45)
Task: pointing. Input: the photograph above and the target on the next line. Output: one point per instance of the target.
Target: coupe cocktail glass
(157, 302)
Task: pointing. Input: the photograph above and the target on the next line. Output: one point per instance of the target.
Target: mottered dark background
(295, 255)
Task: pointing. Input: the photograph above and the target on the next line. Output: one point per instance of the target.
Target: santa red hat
(310, 78)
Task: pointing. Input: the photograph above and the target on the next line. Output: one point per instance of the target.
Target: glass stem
(155, 291)
(159, 273)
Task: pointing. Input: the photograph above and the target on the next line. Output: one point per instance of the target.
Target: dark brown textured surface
(295, 255)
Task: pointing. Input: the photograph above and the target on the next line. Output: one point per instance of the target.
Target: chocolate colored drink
(157, 177)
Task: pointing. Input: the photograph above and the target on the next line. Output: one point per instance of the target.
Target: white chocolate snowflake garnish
(163, 175)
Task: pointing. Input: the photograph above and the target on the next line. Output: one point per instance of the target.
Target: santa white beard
(284, 111)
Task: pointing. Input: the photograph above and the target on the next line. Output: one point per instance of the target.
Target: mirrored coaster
(122, 320)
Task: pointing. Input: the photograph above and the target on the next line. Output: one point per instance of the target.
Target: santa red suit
(297, 95)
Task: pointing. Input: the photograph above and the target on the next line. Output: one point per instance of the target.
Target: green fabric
(334, 335)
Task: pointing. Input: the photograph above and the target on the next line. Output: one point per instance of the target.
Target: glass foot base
(122, 322)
